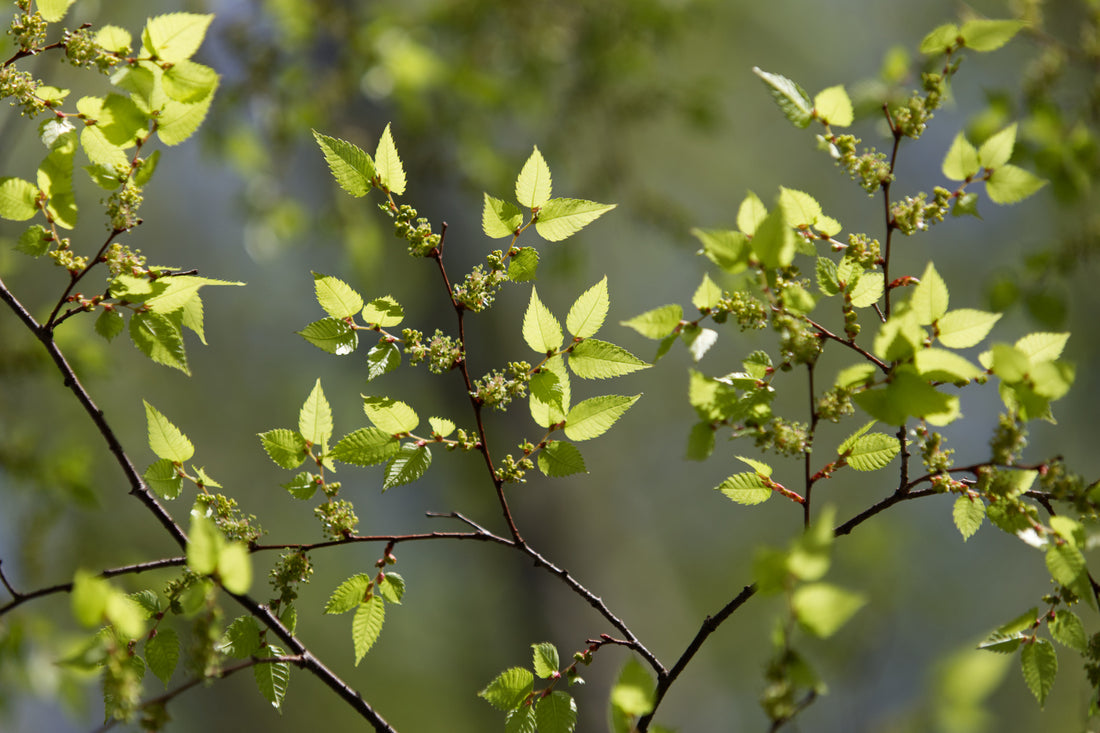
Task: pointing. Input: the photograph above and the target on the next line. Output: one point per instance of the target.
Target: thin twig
(21, 598)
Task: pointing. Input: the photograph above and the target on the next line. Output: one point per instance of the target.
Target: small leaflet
(388, 164)
(560, 219)
(533, 185)
(588, 312)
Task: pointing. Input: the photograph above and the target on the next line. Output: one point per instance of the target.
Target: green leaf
(550, 393)
(872, 452)
(774, 241)
(189, 82)
(941, 39)
(349, 594)
(285, 447)
(698, 340)
(727, 249)
(53, 10)
(162, 653)
(395, 417)
(352, 168)
(1067, 629)
(1009, 184)
(178, 121)
(235, 568)
(303, 486)
(366, 447)
(997, 150)
(556, 713)
(656, 323)
(113, 38)
(822, 608)
(945, 366)
(387, 164)
(961, 161)
(595, 359)
(520, 720)
(750, 213)
(509, 689)
(707, 295)
(315, 417)
(409, 464)
(384, 312)
(966, 205)
(441, 426)
(89, 598)
(33, 242)
(242, 638)
(965, 327)
(383, 358)
(163, 478)
(834, 107)
(175, 37)
(593, 417)
(17, 199)
(1065, 563)
(272, 678)
(968, 514)
(204, 545)
(173, 293)
(809, 557)
(159, 338)
(760, 467)
(533, 186)
(1009, 363)
(1043, 346)
(908, 395)
(899, 337)
(588, 312)
(801, 210)
(392, 588)
(929, 299)
(333, 335)
(337, 298)
(546, 660)
(868, 289)
(541, 330)
(633, 692)
(851, 439)
(791, 98)
(559, 458)
(826, 271)
(165, 439)
(524, 265)
(367, 625)
(500, 218)
(559, 219)
(989, 35)
(1039, 663)
(746, 488)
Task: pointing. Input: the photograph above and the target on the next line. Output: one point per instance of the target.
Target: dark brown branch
(21, 598)
(826, 333)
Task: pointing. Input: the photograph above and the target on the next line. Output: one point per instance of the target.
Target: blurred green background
(651, 104)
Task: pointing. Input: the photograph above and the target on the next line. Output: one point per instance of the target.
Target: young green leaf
(596, 359)
(349, 594)
(533, 185)
(1065, 563)
(242, 638)
(303, 486)
(337, 298)
(170, 294)
(968, 514)
(872, 452)
(588, 312)
(235, 568)
(760, 467)
(822, 608)
(333, 335)
(179, 121)
(657, 323)
(774, 241)
(929, 299)
(384, 312)
(367, 625)
(272, 678)
(725, 248)
(989, 35)
(800, 208)
(559, 458)
(997, 150)
(1067, 629)
(550, 393)
(940, 365)
(441, 426)
(541, 330)
(33, 242)
(409, 464)
(315, 417)
(750, 213)
(159, 338)
(961, 161)
(941, 39)
(520, 720)
(700, 442)
(383, 358)
(53, 10)
(1039, 663)
(500, 218)
(189, 82)
(707, 295)
(165, 439)
(746, 488)
(175, 37)
(509, 689)
(204, 545)
(595, 416)
(556, 713)
(388, 164)
(1042, 346)
(366, 447)
(164, 478)
(1009, 184)
(524, 265)
(1009, 363)
(560, 219)
(791, 98)
(162, 653)
(834, 107)
(352, 168)
(546, 660)
(286, 448)
(392, 587)
(965, 327)
(868, 289)
(392, 416)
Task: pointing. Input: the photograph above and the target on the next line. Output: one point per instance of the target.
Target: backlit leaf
(750, 213)
(1067, 629)
(559, 458)
(556, 713)
(285, 447)
(989, 35)
(352, 168)
(965, 327)
(162, 653)
(159, 338)
(823, 608)
(533, 185)
(546, 662)
(384, 312)
(588, 312)
(559, 219)
(791, 98)
(315, 417)
(1009, 184)
(337, 297)
(367, 626)
(596, 359)
(726, 248)
(390, 415)
(541, 330)
(968, 514)
(707, 295)
(366, 447)
(997, 150)
(961, 161)
(834, 106)
(509, 689)
(872, 452)
(774, 241)
(388, 164)
(500, 218)
(929, 299)
(746, 488)
(409, 464)
(1039, 663)
(272, 678)
(593, 417)
(349, 594)
(333, 335)
(17, 199)
(175, 37)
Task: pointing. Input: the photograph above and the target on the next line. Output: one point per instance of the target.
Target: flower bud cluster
(870, 167)
(750, 311)
(122, 208)
(293, 568)
(914, 214)
(338, 518)
(81, 50)
(21, 86)
(228, 517)
(64, 257)
(28, 29)
(498, 388)
(120, 259)
(442, 352)
(512, 471)
(415, 230)
(1008, 441)
(476, 293)
(785, 437)
(835, 404)
(798, 342)
(936, 458)
(864, 250)
(464, 441)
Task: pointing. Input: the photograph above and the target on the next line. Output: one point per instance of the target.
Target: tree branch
(21, 598)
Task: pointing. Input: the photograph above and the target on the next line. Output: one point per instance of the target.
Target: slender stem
(826, 333)
(891, 225)
(808, 480)
(21, 598)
